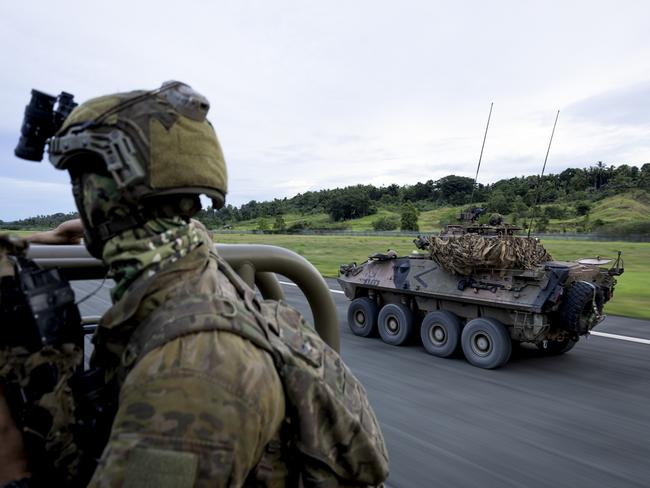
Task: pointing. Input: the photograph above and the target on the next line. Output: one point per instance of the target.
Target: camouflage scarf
(146, 250)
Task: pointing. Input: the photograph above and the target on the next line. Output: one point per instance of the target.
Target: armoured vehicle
(479, 289)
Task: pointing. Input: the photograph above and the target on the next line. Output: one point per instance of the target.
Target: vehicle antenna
(539, 181)
(471, 198)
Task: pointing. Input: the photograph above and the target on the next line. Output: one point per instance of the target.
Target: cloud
(624, 106)
(307, 96)
(20, 199)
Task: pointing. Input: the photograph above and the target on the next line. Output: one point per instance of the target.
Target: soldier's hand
(13, 459)
(69, 232)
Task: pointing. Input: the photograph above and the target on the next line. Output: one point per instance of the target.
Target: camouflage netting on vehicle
(465, 254)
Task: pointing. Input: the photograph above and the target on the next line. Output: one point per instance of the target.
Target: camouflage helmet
(156, 146)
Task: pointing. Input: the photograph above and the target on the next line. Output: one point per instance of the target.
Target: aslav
(479, 289)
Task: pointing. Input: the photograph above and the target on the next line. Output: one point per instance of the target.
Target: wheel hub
(437, 335)
(481, 344)
(359, 319)
(392, 324)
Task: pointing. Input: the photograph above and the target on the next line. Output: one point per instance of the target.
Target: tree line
(577, 186)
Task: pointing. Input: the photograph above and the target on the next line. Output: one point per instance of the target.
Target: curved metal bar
(290, 264)
(79, 265)
(269, 286)
(90, 319)
(74, 261)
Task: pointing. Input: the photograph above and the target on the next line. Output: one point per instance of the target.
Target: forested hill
(598, 198)
(582, 199)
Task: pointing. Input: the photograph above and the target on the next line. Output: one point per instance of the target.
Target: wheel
(362, 317)
(577, 312)
(440, 333)
(395, 324)
(554, 348)
(486, 343)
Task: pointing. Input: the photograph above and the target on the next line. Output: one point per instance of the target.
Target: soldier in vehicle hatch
(216, 387)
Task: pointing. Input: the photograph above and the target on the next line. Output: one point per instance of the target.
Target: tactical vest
(330, 422)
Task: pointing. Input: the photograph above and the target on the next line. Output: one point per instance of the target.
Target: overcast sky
(311, 95)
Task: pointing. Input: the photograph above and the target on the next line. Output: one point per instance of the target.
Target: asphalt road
(577, 420)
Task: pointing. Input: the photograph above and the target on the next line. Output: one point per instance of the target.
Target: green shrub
(279, 225)
(409, 220)
(385, 223)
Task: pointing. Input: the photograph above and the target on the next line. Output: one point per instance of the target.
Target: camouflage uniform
(205, 406)
(208, 407)
(216, 387)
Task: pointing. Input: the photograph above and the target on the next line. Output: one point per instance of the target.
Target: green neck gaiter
(146, 250)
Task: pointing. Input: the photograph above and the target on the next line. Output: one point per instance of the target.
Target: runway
(577, 420)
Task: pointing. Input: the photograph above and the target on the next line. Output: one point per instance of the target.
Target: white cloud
(27, 198)
(315, 95)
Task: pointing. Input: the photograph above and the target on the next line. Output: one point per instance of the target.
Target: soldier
(215, 387)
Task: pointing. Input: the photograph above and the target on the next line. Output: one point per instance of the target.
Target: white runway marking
(599, 334)
(293, 284)
(621, 337)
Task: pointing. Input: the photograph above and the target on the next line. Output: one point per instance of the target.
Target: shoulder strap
(191, 314)
(251, 301)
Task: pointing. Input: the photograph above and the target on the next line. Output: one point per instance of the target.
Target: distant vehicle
(457, 299)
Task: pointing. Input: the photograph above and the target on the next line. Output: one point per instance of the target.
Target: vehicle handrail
(256, 263)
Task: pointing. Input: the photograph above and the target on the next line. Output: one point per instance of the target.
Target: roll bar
(255, 263)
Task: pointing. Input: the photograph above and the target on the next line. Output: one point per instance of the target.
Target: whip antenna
(539, 181)
(487, 126)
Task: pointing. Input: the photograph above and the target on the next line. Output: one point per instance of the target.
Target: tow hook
(545, 344)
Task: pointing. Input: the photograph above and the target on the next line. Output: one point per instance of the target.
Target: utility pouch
(332, 423)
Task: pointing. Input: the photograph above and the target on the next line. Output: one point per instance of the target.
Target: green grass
(365, 223)
(289, 219)
(430, 220)
(631, 298)
(325, 252)
(627, 207)
(18, 233)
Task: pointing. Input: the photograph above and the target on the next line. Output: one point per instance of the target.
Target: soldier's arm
(198, 411)
(69, 232)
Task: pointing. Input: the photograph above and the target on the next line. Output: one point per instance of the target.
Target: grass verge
(631, 298)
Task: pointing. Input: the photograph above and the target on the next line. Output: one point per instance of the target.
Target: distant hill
(606, 199)
(627, 213)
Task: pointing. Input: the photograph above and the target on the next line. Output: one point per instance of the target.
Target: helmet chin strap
(96, 234)
(102, 224)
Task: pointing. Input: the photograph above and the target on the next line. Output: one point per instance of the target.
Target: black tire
(440, 333)
(486, 343)
(576, 313)
(362, 317)
(555, 348)
(395, 324)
